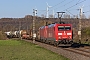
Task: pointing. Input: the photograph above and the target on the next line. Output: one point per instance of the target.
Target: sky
(20, 8)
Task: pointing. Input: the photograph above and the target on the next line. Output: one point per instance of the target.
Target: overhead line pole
(20, 37)
(34, 18)
(80, 25)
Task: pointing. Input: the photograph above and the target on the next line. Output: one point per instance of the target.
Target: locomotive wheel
(43, 41)
(50, 42)
(56, 44)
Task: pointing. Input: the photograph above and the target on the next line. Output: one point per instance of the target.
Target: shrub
(2, 36)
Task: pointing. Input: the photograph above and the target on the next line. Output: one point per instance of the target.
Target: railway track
(81, 51)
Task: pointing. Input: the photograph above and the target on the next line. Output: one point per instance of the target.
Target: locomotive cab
(64, 33)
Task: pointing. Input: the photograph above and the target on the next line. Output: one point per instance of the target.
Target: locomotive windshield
(64, 28)
(67, 28)
(60, 27)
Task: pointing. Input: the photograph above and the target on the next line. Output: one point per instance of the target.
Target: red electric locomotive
(57, 34)
(43, 33)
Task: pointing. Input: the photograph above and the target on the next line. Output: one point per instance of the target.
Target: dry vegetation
(12, 24)
(2, 36)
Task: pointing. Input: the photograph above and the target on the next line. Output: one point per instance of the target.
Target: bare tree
(66, 16)
(51, 16)
(43, 16)
(89, 17)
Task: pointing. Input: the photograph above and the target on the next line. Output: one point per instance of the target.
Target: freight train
(56, 34)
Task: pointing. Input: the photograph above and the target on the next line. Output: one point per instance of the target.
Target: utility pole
(34, 17)
(60, 16)
(20, 37)
(80, 25)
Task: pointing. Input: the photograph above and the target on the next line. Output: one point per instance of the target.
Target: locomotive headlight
(68, 33)
(59, 33)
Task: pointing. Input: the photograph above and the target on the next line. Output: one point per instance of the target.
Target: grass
(21, 50)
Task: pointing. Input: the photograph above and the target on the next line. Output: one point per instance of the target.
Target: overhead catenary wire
(69, 8)
(86, 6)
(70, 12)
(79, 2)
(76, 9)
(55, 5)
(65, 4)
(59, 3)
(87, 11)
(74, 5)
